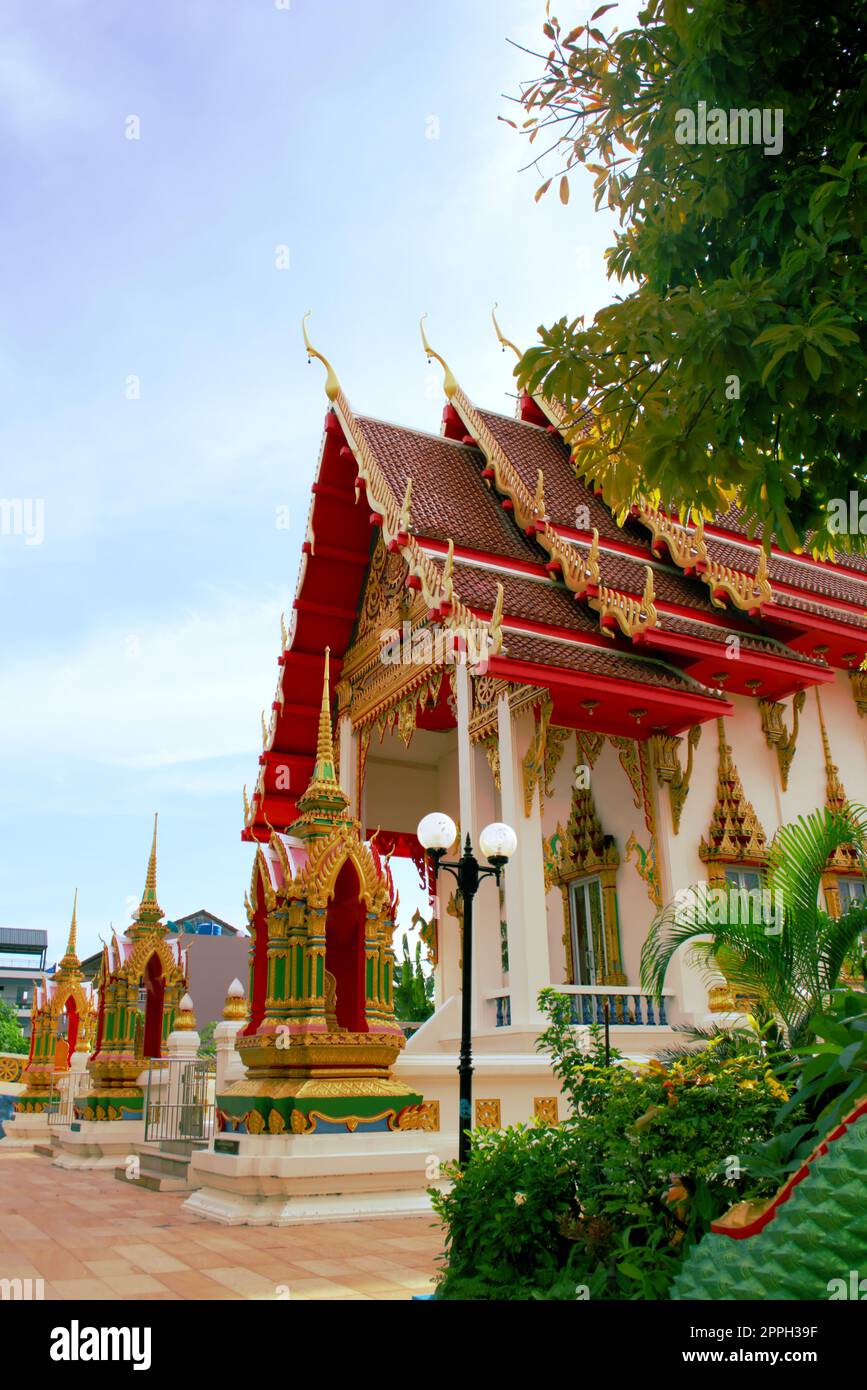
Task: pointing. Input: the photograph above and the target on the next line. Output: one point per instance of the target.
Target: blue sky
(154, 392)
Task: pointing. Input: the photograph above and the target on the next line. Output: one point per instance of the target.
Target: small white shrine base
(24, 1130)
(96, 1143)
(281, 1180)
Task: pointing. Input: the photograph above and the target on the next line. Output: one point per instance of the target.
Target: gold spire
(73, 931)
(149, 914)
(450, 385)
(506, 342)
(332, 385)
(70, 966)
(324, 800)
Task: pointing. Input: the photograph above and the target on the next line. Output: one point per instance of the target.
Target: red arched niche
(344, 949)
(72, 1024)
(155, 988)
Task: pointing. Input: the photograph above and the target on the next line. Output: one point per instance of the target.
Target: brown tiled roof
(536, 601)
(598, 661)
(754, 641)
(529, 448)
(812, 579)
(821, 610)
(735, 520)
(450, 500)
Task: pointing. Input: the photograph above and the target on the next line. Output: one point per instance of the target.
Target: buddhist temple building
(645, 703)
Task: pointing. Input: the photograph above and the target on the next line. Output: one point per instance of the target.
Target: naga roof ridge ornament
(450, 385)
(504, 341)
(332, 385)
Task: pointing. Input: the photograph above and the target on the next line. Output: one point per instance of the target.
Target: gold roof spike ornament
(450, 385)
(404, 524)
(503, 341)
(332, 385)
(70, 963)
(324, 800)
(149, 914)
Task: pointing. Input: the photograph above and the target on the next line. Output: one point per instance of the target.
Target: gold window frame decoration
(579, 852)
(736, 840)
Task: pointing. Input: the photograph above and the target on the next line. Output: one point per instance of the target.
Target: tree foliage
(413, 990)
(790, 966)
(733, 366)
(12, 1038)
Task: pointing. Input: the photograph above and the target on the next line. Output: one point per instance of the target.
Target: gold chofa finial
(332, 385)
(284, 635)
(505, 342)
(450, 385)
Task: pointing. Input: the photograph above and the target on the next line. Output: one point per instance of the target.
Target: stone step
(46, 1150)
(154, 1182)
(172, 1165)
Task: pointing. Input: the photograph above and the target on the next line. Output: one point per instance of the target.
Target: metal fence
(62, 1100)
(179, 1103)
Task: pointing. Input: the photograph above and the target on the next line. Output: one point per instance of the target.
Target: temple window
(589, 953)
(853, 893)
(746, 880)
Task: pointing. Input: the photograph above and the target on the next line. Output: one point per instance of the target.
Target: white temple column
(529, 964)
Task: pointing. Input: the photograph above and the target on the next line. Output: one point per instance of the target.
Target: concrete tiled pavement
(91, 1237)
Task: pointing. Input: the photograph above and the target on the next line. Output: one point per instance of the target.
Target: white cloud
(187, 693)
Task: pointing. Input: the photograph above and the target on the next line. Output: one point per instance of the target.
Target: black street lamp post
(498, 843)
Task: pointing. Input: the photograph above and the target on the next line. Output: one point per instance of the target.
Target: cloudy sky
(158, 420)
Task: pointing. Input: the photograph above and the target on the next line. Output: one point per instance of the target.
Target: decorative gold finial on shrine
(332, 385)
(73, 927)
(149, 911)
(70, 961)
(235, 1006)
(185, 1018)
(450, 385)
(246, 806)
(505, 342)
(324, 798)
(284, 635)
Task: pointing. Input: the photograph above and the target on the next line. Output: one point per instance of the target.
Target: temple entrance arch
(344, 949)
(154, 983)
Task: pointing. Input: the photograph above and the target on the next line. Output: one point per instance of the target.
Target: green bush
(604, 1205)
(11, 1037)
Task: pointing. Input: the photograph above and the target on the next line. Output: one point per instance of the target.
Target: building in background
(217, 955)
(22, 968)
